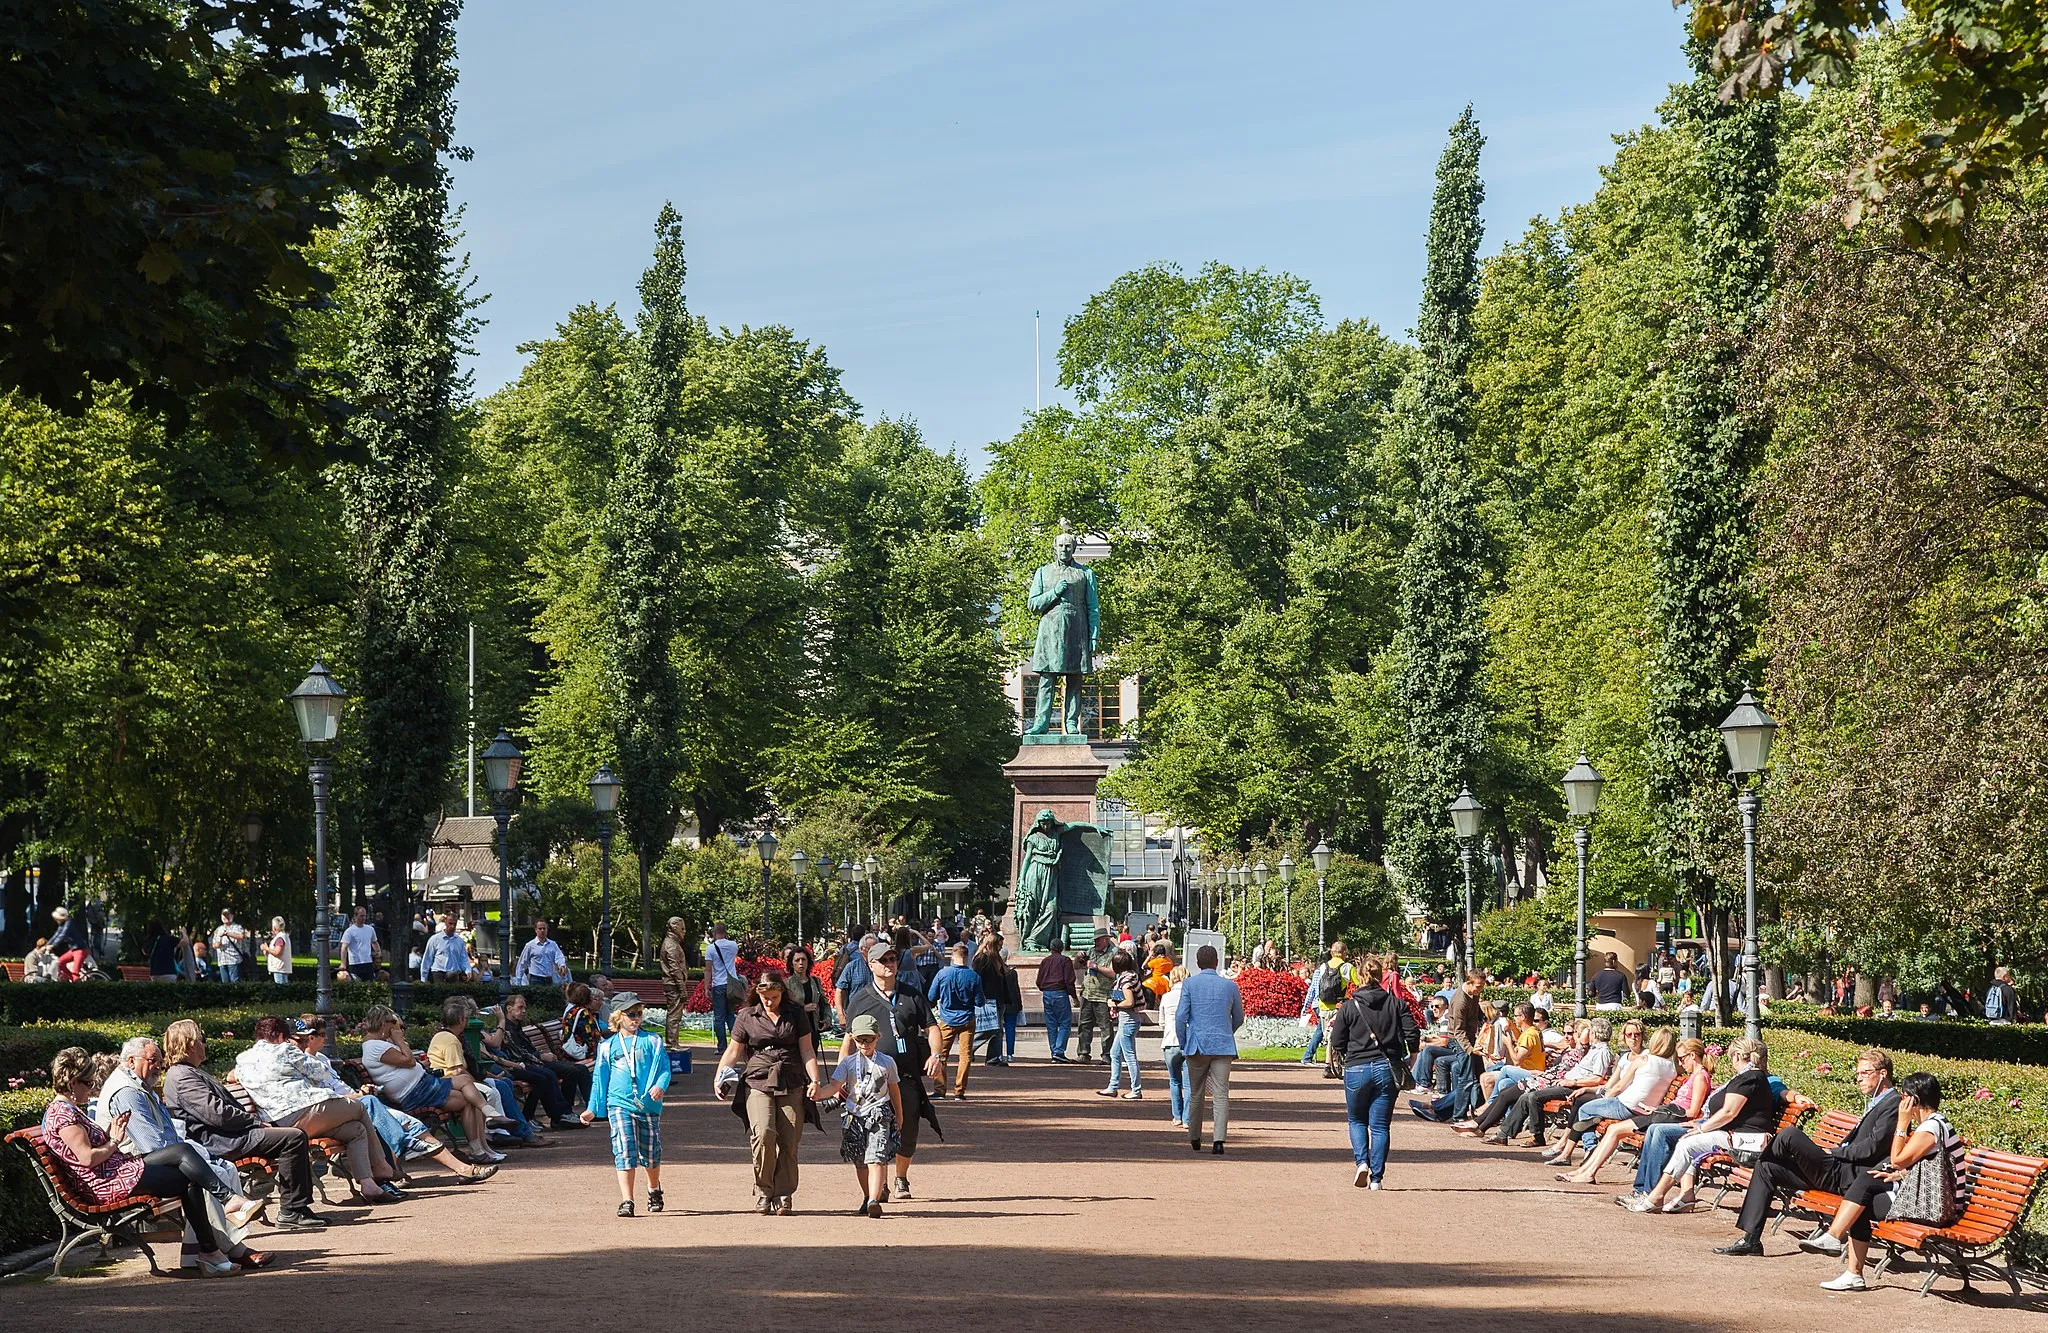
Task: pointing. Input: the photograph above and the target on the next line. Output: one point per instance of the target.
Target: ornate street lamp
(502, 762)
(826, 868)
(799, 866)
(873, 890)
(849, 869)
(1260, 874)
(1286, 907)
(1322, 856)
(1466, 814)
(604, 798)
(766, 845)
(317, 704)
(1747, 732)
(1581, 797)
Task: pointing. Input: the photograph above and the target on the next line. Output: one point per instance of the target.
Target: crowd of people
(1504, 1077)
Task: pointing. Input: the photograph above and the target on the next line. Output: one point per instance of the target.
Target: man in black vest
(1794, 1161)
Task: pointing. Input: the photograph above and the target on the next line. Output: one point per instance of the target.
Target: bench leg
(66, 1242)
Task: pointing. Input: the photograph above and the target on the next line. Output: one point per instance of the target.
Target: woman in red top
(92, 1164)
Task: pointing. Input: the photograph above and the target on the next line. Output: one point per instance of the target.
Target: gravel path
(1048, 1207)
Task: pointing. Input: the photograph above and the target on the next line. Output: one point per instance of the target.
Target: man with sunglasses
(909, 1036)
(1794, 1162)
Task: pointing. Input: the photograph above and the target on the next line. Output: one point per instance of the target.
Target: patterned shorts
(636, 1139)
(867, 1144)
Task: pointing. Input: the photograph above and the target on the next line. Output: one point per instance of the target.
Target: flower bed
(699, 999)
(1258, 1032)
(1269, 994)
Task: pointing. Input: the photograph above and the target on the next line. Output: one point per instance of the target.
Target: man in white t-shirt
(359, 947)
(230, 943)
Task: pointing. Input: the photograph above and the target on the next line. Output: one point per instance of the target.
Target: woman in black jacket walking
(1372, 1034)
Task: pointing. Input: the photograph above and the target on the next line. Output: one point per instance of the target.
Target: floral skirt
(636, 1138)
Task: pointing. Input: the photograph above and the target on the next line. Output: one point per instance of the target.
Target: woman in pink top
(1688, 1094)
(91, 1164)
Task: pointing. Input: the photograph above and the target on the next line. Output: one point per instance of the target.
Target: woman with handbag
(1918, 1184)
(988, 1017)
(1127, 1002)
(1371, 1037)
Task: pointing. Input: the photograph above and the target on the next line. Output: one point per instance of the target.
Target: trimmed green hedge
(21, 1005)
(25, 1217)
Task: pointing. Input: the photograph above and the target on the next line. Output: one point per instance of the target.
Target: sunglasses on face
(886, 960)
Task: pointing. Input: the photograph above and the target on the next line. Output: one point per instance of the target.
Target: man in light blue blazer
(1211, 1012)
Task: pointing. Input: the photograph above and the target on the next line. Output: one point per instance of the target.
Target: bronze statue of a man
(1069, 612)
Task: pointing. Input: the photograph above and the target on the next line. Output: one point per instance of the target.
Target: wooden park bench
(1996, 1189)
(1794, 1114)
(328, 1153)
(136, 1220)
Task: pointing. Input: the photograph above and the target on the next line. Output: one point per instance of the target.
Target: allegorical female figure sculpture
(1064, 598)
(1038, 882)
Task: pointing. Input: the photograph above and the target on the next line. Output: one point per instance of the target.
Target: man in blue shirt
(446, 957)
(1211, 1012)
(955, 995)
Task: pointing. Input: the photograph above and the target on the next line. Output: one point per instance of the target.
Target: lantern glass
(766, 845)
(604, 791)
(1260, 874)
(1582, 788)
(317, 703)
(873, 867)
(799, 864)
(252, 828)
(1286, 870)
(1323, 856)
(501, 765)
(1466, 814)
(1747, 732)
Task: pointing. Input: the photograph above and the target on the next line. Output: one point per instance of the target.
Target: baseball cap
(876, 950)
(864, 1025)
(627, 1001)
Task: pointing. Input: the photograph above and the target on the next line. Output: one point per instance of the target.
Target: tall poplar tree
(405, 321)
(642, 555)
(1701, 533)
(1442, 641)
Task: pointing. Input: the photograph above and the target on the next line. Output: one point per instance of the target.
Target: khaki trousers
(775, 1126)
(1208, 1075)
(344, 1120)
(965, 1036)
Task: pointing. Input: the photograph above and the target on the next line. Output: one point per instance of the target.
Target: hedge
(25, 1217)
(54, 1002)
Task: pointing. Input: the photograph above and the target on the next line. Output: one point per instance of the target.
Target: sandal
(475, 1174)
(253, 1212)
(254, 1259)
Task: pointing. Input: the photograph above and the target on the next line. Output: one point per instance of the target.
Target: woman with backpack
(1372, 1035)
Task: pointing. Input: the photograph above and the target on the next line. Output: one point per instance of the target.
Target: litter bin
(1689, 1021)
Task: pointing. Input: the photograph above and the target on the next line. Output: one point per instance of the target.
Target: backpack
(1994, 1001)
(1330, 991)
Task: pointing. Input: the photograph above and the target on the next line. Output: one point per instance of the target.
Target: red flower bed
(1269, 994)
(699, 1001)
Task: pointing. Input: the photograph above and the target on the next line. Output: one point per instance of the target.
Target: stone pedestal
(1054, 772)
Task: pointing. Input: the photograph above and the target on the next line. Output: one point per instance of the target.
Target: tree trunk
(646, 913)
(1774, 982)
(1715, 921)
(1866, 989)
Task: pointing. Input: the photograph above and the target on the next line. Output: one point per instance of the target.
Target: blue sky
(906, 183)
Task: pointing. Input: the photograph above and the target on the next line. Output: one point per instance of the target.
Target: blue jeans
(1425, 1065)
(1369, 1103)
(1315, 1043)
(1010, 1034)
(1059, 1021)
(1658, 1141)
(509, 1095)
(721, 1017)
(399, 1132)
(1176, 1084)
(1602, 1108)
(1124, 1054)
(230, 971)
(1464, 1093)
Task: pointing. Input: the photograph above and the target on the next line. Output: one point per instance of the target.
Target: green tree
(168, 166)
(1700, 528)
(405, 324)
(1445, 569)
(642, 545)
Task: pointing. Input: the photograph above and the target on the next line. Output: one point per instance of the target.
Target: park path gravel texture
(1047, 1207)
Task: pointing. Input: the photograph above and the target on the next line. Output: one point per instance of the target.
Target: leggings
(1876, 1197)
(179, 1172)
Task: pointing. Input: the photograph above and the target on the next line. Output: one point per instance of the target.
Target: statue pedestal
(1054, 772)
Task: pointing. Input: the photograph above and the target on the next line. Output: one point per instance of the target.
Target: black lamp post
(604, 798)
(1747, 732)
(873, 885)
(1466, 812)
(1286, 907)
(826, 867)
(501, 774)
(765, 845)
(1260, 874)
(799, 866)
(848, 869)
(317, 703)
(1581, 796)
(1322, 856)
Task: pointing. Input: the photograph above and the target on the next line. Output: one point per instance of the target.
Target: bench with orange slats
(1794, 1114)
(135, 1220)
(1996, 1189)
(330, 1152)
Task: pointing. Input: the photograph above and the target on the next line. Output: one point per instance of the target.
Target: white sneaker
(1820, 1242)
(1846, 1282)
(1374, 1186)
(1364, 1174)
(1636, 1203)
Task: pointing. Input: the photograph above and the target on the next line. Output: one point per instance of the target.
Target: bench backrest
(57, 1186)
(241, 1095)
(1833, 1129)
(1996, 1188)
